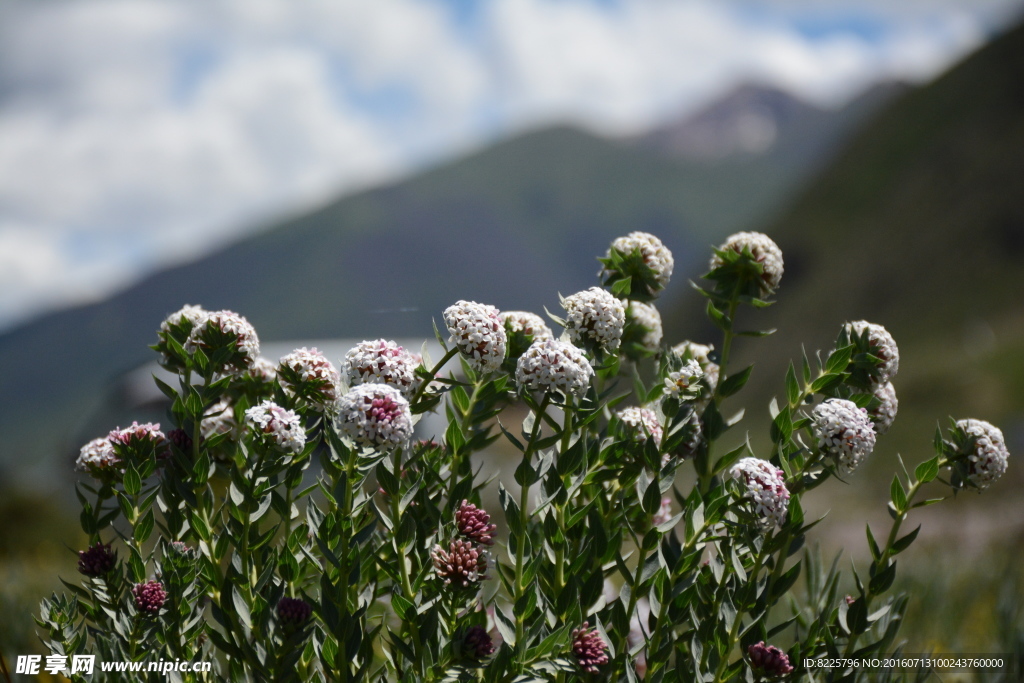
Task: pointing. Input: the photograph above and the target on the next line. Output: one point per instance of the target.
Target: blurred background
(344, 170)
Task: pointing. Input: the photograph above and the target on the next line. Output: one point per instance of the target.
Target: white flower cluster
(188, 316)
(882, 346)
(844, 432)
(885, 413)
(309, 374)
(648, 318)
(219, 419)
(375, 415)
(554, 366)
(226, 324)
(990, 457)
(97, 458)
(679, 381)
(700, 353)
(382, 362)
(763, 249)
(263, 371)
(528, 323)
(638, 423)
(277, 427)
(596, 314)
(766, 489)
(656, 255)
(479, 333)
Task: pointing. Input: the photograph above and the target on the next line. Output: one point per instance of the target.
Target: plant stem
(723, 663)
(524, 500)
(432, 374)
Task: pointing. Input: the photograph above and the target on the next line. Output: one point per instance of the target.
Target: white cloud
(133, 132)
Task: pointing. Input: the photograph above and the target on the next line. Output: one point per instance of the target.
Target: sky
(135, 134)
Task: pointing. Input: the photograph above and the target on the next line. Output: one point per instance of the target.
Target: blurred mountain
(512, 225)
(917, 225)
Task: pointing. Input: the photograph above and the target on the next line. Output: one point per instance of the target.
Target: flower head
(309, 374)
(529, 324)
(756, 261)
(876, 340)
(177, 326)
(139, 441)
(766, 489)
(701, 353)
(589, 648)
(987, 460)
(382, 362)
(844, 432)
(641, 257)
(479, 333)
(641, 335)
(149, 597)
(595, 316)
(97, 560)
(375, 415)
(681, 384)
(554, 366)
(263, 371)
(884, 414)
(293, 613)
(276, 427)
(98, 459)
(477, 643)
(229, 333)
(639, 424)
(463, 563)
(475, 524)
(769, 660)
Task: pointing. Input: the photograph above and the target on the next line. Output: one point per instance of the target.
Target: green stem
(740, 611)
(524, 499)
(704, 478)
(432, 374)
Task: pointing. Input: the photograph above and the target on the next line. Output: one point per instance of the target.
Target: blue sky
(139, 133)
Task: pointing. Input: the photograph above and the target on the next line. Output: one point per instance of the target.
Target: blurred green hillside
(918, 225)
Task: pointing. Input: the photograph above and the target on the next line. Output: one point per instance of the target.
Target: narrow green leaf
(927, 470)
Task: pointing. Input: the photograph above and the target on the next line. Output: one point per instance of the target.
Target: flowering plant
(291, 526)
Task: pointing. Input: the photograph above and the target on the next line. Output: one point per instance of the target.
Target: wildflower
(595, 316)
(881, 345)
(765, 254)
(309, 374)
(884, 414)
(988, 459)
(649, 274)
(149, 597)
(769, 660)
(701, 353)
(276, 427)
(844, 432)
(589, 648)
(293, 613)
(642, 332)
(382, 362)
(139, 442)
(529, 324)
(554, 366)
(478, 332)
(462, 564)
(680, 383)
(177, 326)
(226, 332)
(765, 488)
(477, 643)
(97, 560)
(98, 459)
(640, 423)
(474, 523)
(375, 415)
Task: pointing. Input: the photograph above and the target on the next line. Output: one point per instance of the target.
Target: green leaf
(132, 481)
(621, 288)
(839, 359)
(453, 437)
(733, 383)
(876, 553)
(927, 471)
(241, 607)
(899, 496)
(387, 480)
(902, 544)
(144, 528)
(881, 581)
(792, 387)
(720, 319)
